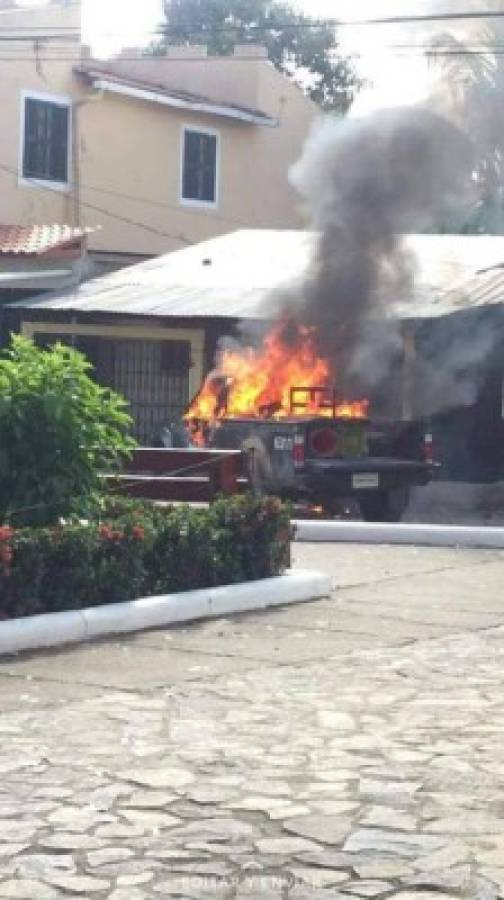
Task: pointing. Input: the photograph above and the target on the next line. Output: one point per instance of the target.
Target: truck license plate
(366, 480)
(283, 443)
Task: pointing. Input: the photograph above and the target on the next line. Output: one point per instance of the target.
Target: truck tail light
(428, 447)
(323, 442)
(298, 450)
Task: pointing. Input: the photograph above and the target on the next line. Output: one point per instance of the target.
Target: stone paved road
(352, 747)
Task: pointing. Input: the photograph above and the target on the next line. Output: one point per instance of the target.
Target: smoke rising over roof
(366, 182)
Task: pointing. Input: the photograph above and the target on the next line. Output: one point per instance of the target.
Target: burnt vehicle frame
(327, 460)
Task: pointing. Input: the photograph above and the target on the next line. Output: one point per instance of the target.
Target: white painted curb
(403, 533)
(53, 629)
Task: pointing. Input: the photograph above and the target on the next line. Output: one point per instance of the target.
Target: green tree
(304, 50)
(58, 429)
(472, 94)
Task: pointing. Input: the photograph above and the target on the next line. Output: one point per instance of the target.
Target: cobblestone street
(352, 747)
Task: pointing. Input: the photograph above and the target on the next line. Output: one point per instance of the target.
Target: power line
(466, 15)
(414, 50)
(75, 36)
(106, 212)
(161, 204)
(486, 47)
(433, 17)
(152, 57)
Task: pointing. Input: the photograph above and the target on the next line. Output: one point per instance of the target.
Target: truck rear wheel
(340, 508)
(384, 506)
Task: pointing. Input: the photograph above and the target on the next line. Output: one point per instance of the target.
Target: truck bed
(375, 461)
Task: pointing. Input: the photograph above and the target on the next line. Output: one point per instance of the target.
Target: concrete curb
(379, 533)
(54, 629)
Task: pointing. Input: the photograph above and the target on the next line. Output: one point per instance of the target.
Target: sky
(109, 23)
(390, 57)
(395, 75)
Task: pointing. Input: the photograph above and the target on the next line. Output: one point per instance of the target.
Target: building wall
(44, 67)
(139, 179)
(189, 69)
(126, 166)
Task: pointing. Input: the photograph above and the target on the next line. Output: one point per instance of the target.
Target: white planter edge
(481, 537)
(55, 629)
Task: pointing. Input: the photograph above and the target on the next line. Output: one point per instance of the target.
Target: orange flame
(258, 382)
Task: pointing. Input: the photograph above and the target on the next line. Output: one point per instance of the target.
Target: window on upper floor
(46, 139)
(199, 167)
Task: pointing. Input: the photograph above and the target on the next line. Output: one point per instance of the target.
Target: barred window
(199, 170)
(46, 140)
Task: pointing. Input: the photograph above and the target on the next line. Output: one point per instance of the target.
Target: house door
(153, 376)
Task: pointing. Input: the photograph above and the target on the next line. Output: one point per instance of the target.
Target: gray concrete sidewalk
(351, 747)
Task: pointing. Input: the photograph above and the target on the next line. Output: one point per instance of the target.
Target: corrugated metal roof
(485, 288)
(34, 240)
(227, 277)
(241, 274)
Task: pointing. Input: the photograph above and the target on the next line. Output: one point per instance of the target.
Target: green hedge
(58, 431)
(136, 549)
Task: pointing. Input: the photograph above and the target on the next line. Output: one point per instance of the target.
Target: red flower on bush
(110, 534)
(6, 552)
(6, 555)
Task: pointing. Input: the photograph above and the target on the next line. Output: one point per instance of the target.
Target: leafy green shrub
(58, 429)
(137, 549)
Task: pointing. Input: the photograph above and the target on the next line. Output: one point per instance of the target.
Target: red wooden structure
(180, 475)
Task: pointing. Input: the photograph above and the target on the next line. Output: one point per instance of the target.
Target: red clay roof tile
(34, 240)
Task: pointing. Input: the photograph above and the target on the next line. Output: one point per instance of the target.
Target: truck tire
(258, 465)
(384, 506)
(340, 508)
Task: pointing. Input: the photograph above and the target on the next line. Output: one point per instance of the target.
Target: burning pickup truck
(301, 440)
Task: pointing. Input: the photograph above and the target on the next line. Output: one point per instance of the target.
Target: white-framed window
(45, 146)
(199, 167)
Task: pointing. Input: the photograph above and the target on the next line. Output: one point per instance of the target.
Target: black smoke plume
(367, 182)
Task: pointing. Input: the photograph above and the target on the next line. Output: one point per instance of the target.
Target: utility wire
(106, 212)
(102, 64)
(40, 37)
(466, 15)
(393, 51)
(161, 204)
(152, 57)
(433, 17)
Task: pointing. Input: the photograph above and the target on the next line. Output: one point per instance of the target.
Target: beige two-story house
(152, 153)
